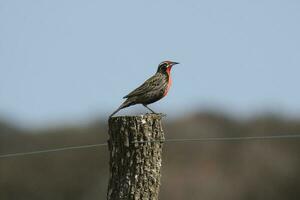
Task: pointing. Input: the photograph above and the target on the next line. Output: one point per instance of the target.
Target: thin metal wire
(224, 139)
(52, 150)
(204, 139)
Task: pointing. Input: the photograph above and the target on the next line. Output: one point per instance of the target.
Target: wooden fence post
(135, 165)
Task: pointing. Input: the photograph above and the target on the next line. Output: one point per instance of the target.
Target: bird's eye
(164, 66)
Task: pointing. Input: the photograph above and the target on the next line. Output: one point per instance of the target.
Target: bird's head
(166, 66)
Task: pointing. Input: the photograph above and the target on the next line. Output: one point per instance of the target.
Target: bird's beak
(174, 63)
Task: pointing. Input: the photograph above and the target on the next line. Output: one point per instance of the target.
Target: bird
(152, 90)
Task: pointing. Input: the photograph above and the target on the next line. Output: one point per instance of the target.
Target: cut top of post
(140, 117)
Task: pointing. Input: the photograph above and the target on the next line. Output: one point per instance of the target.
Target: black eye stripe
(164, 65)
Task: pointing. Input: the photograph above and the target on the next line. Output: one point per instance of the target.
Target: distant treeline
(238, 170)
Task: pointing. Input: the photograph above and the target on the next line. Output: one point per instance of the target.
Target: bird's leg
(149, 108)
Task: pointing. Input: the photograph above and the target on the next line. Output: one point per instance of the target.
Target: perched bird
(152, 90)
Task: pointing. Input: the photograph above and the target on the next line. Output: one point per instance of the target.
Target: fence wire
(203, 139)
(52, 150)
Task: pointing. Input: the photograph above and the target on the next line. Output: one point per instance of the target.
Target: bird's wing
(150, 84)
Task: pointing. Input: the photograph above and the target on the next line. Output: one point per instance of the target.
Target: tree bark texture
(135, 164)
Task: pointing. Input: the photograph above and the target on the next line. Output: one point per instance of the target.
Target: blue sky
(64, 60)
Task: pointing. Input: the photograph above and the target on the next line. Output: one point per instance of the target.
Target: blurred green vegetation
(191, 170)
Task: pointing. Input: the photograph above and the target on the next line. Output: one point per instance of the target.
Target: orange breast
(169, 81)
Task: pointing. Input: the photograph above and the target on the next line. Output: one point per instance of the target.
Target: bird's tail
(115, 111)
(123, 105)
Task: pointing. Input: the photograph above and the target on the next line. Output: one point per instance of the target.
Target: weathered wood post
(135, 163)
